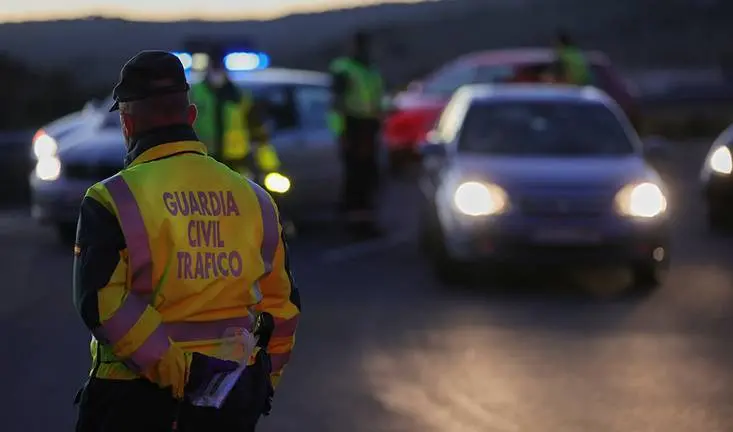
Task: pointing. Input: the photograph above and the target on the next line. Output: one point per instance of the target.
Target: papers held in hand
(239, 345)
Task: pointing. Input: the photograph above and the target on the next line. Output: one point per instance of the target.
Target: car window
(312, 104)
(445, 82)
(276, 105)
(538, 128)
(494, 74)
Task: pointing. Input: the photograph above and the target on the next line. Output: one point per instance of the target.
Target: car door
(320, 157)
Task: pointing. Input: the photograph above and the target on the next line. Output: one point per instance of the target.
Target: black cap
(148, 74)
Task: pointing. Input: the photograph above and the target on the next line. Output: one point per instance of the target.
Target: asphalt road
(382, 347)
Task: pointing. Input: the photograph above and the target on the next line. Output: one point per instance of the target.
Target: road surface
(382, 347)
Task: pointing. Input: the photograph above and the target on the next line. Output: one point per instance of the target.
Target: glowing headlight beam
(276, 182)
(479, 199)
(721, 160)
(44, 145)
(644, 200)
(48, 168)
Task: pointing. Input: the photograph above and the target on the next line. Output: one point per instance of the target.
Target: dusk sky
(22, 10)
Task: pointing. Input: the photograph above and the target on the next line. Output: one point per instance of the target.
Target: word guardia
(215, 261)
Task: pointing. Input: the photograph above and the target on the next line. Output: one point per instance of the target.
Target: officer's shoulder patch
(77, 250)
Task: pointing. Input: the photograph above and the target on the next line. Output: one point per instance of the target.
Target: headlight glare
(48, 168)
(276, 182)
(642, 200)
(44, 145)
(479, 199)
(721, 160)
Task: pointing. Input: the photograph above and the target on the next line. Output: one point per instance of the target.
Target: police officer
(172, 255)
(571, 62)
(356, 120)
(231, 124)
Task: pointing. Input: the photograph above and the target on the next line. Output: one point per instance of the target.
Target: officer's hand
(203, 370)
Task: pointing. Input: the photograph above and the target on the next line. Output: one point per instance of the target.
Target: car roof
(274, 76)
(533, 92)
(523, 56)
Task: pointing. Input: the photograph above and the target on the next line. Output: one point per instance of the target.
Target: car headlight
(44, 145)
(276, 182)
(642, 200)
(479, 199)
(48, 168)
(721, 160)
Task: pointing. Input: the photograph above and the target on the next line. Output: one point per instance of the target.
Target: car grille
(90, 172)
(559, 206)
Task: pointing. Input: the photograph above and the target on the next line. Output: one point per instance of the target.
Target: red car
(415, 110)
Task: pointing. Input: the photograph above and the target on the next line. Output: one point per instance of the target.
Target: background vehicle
(717, 182)
(540, 174)
(415, 110)
(45, 140)
(296, 103)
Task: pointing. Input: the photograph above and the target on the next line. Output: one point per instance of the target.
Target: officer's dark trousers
(359, 153)
(141, 406)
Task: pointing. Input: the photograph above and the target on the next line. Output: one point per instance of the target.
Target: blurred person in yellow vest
(233, 127)
(231, 124)
(572, 65)
(176, 257)
(355, 119)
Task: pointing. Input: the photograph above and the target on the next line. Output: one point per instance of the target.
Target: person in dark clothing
(356, 121)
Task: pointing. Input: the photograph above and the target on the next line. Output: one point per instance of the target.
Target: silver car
(296, 102)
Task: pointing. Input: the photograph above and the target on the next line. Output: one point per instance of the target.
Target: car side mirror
(434, 146)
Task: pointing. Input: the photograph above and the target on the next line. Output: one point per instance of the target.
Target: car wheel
(648, 277)
(448, 270)
(66, 233)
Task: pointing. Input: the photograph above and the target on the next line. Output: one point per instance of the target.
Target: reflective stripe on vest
(141, 295)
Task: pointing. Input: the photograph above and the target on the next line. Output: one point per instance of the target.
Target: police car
(296, 103)
(717, 182)
(536, 174)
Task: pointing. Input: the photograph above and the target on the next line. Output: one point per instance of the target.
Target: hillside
(411, 38)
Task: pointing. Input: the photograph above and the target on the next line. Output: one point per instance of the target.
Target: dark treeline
(30, 98)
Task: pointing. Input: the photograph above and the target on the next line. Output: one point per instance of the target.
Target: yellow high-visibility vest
(198, 248)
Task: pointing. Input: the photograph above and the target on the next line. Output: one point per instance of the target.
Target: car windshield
(447, 81)
(544, 129)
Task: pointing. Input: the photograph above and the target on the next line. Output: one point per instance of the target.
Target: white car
(297, 102)
(717, 182)
(541, 174)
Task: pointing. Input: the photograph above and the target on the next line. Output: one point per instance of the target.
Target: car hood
(94, 146)
(577, 173)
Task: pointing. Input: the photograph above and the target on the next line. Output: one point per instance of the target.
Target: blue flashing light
(246, 61)
(185, 58)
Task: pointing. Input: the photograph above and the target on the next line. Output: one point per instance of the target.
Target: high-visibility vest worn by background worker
(364, 94)
(203, 253)
(238, 129)
(574, 66)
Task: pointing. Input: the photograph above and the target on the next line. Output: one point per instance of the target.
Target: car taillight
(407, 128)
